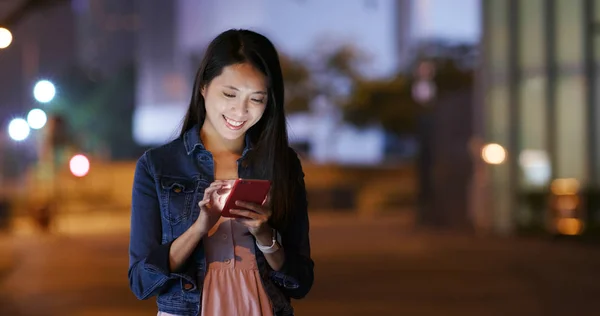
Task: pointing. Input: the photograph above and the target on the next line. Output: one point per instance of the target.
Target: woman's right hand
(212, 205)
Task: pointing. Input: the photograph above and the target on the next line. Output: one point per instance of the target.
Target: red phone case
(248, 190)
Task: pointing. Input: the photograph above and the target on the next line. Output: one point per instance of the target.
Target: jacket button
(188, 286)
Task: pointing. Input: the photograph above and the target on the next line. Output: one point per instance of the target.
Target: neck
(216, 144)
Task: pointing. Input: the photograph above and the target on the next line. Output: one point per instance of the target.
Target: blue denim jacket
(169, 182)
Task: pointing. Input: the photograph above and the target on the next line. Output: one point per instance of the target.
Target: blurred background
(450, 148)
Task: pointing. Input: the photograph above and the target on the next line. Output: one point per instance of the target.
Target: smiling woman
(181, 249)
(235, 101)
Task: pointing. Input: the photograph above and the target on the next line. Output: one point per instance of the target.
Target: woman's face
(235, 100)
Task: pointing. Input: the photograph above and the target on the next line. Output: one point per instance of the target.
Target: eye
(259, 100)
(228, 95)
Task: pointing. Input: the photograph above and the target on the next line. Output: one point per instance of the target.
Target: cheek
(257, 112)
(214, 105)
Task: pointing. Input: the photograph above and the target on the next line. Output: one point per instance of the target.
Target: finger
(222, 183)
(250, 223)
(210, 190)
(204, 203)
(245, 213)
(252, 206)
(223, 190)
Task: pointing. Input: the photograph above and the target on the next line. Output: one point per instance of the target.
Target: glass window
(497, 122)
(496, 109)
(596, 43)
(533, 160)
(569, 32)
(571, 132)
(531, 35)
(533, 156)
(498, 35)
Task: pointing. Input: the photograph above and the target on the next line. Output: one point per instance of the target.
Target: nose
(240, 107)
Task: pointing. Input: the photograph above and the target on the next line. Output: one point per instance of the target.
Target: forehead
(241, 76)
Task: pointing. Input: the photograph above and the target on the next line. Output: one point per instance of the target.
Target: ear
(203, 91)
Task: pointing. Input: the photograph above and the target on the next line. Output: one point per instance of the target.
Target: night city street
(363, 267)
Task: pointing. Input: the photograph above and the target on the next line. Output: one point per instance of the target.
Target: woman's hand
(256, 218)
(212, 205)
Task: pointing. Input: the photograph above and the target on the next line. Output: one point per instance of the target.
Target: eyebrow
(236, 89)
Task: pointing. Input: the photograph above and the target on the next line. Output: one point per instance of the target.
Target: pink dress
(232, 285)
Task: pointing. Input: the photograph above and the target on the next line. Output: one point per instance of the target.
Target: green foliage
(386, 102)
(98, 111)
(390, 102)
(299, 88)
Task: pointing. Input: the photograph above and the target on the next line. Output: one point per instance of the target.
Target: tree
(390, 102)
(98, 110)
(299, 87)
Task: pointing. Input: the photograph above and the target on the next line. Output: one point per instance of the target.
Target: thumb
(204, 203)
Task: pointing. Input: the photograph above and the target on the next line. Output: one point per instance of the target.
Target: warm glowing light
(568, 186)
(493, 154)
(79, 165)
(567, 202)
(569, 226)
(5, 38)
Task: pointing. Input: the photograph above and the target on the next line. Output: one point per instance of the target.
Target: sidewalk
(7, 254)
(118, 222)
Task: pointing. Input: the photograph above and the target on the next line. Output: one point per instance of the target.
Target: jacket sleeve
(296, 277)
(148, 257)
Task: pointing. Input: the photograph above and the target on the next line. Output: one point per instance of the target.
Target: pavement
(364, 266)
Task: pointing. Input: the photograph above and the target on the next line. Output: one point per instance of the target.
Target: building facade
(168, 55)
(539, 90)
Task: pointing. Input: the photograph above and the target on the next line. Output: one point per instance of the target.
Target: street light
(36, 118)
(18, 129)
(79, 165)
(493, 154)
(44, 91)
(5, 38)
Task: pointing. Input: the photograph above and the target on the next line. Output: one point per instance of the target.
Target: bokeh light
(37, 118)
(18, 129)
(44, 91)
(5, 38)
(493, 154)
(79, 165)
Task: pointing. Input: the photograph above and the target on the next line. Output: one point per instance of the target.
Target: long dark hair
(270, 157)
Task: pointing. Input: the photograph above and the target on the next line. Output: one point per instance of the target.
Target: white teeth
(232, 122)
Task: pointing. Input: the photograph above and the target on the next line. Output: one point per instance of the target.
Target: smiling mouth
(233, 124)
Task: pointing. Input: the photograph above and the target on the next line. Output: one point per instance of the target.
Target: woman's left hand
(256, 218)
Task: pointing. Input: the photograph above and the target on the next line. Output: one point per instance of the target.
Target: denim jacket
(169, 182)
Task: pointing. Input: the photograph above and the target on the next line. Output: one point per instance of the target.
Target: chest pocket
(177, 198)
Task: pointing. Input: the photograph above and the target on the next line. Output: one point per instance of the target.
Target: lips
(233, 124)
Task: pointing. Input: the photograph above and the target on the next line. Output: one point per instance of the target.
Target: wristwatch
(274, 245)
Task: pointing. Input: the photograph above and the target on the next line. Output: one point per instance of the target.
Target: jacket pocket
(177, 198)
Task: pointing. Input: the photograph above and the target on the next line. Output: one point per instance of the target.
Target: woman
(181, 249)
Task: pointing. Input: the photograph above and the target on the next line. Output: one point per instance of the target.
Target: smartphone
(247, 190)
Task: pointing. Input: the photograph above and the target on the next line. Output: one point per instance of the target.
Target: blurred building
(168, 54)
(105, 34)
(540, 102)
